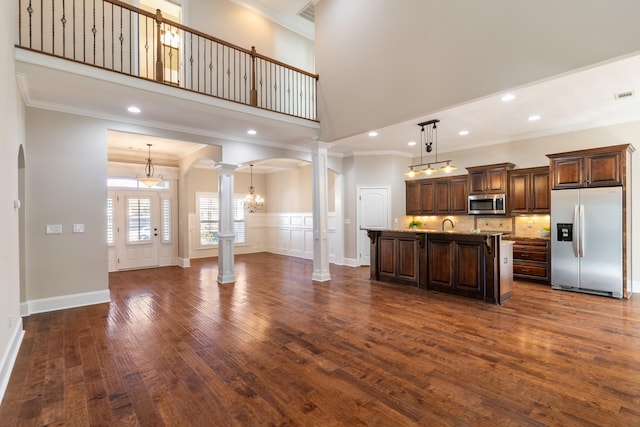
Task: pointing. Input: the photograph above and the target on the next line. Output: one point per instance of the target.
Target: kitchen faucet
(451, 221)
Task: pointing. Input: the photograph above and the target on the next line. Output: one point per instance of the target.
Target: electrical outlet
(529, 224)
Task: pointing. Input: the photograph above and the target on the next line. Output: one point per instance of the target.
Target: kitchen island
(470, 264)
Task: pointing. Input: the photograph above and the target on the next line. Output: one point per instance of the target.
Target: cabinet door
(413, 202)
(496, 180)
(567, 172)
(477, 182)
(519, 197)
(407, 262)
(440, 264)
(458, 195)
(540, 200)
(387, 258)
(427, 195)
(603, 170)
(441, 196)
(470, 267)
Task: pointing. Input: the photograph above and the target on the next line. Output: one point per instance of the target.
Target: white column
(226, 236)
(320, 212)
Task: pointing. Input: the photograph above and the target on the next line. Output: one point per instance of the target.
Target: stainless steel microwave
(487, 204)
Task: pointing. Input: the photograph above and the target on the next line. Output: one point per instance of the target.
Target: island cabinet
(529, 191)
(474, 265)
(397, 257)
(489, 179)
(598, 167)
(437, 196)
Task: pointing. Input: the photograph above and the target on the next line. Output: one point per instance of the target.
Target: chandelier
(148, 179)
(429, 139)
(252, 201)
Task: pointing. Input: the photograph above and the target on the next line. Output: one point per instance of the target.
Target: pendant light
(429, 140)
(253, 202)
(148, 179)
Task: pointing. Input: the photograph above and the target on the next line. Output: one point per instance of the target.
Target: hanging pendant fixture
(429, 140)
(253, 202)
(148, 179)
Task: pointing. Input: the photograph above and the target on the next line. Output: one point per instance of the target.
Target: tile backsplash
(525, 226)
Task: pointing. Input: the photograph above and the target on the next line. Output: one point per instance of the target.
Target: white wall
(384, 62)
(222, 19)
(12, 126)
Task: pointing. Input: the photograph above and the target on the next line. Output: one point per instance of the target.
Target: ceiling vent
(621, 95)
(308, 12)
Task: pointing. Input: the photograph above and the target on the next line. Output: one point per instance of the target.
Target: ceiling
(580, 100)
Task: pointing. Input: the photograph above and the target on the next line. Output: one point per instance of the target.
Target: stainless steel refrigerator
(587, 241)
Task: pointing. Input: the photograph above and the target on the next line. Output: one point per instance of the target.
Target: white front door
(138, 237)
(373, 212)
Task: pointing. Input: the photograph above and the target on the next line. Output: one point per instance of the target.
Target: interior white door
(138, 231)
(373, 212)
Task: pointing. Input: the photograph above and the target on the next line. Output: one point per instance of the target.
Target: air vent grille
(308, 12)
(621, 95)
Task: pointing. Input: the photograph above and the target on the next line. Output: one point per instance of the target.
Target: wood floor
(175, 348)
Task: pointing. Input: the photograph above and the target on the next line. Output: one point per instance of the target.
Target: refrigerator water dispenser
(565, 232)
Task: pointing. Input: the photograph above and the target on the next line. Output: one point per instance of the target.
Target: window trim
(237, 197)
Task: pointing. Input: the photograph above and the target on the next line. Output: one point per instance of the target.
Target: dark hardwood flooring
(175, 348)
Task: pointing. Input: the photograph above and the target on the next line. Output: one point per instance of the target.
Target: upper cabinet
(490, 179)
(529, 191)
(437, 196)
(598, 167)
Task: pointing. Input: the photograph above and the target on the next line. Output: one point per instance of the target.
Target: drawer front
(530, 255)
(532, 243)
(530, 270)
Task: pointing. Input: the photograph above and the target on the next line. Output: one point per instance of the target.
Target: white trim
(24, 309)
(183, 262)
(9, 357)
(61, 302)
(351, 262)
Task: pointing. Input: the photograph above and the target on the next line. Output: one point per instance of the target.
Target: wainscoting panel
(292, 234)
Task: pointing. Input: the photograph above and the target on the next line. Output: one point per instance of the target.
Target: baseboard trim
(350, 262)
(9, 357)
(24, 309)
(44, 305)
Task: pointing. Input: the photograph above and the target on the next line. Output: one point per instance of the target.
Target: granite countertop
(519, 237)
(435, 231)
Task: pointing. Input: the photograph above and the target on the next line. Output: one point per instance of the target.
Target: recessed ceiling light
(463, 132)
(508, 97)
(134, 109)
(251, 132)
(534, 118)
(373, 133)
(411, 143)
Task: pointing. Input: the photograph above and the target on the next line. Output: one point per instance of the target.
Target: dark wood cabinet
(397, 257)
(437, 196)
(490, 179)
(459, 195)
(532, 260)
(529, 191)
(599, 167)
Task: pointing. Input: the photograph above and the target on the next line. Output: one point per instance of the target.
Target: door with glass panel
(139, 230)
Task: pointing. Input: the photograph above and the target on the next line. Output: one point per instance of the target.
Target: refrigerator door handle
(582, 231)
(576, 234)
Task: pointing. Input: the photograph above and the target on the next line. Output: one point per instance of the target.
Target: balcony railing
(116, 36)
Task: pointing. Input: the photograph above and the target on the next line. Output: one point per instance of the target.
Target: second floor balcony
(115, 36)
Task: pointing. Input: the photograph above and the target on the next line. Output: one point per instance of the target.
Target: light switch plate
(78, 228)
(54, 229)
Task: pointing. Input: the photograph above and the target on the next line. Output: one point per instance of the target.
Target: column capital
(225, 167)
(318, 145)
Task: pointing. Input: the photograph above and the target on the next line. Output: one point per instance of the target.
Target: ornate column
(320, 212)
(226, 236)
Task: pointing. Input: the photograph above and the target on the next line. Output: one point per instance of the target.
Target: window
(110, 237)
(166, 220)
(139, 220)
(209, 220)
